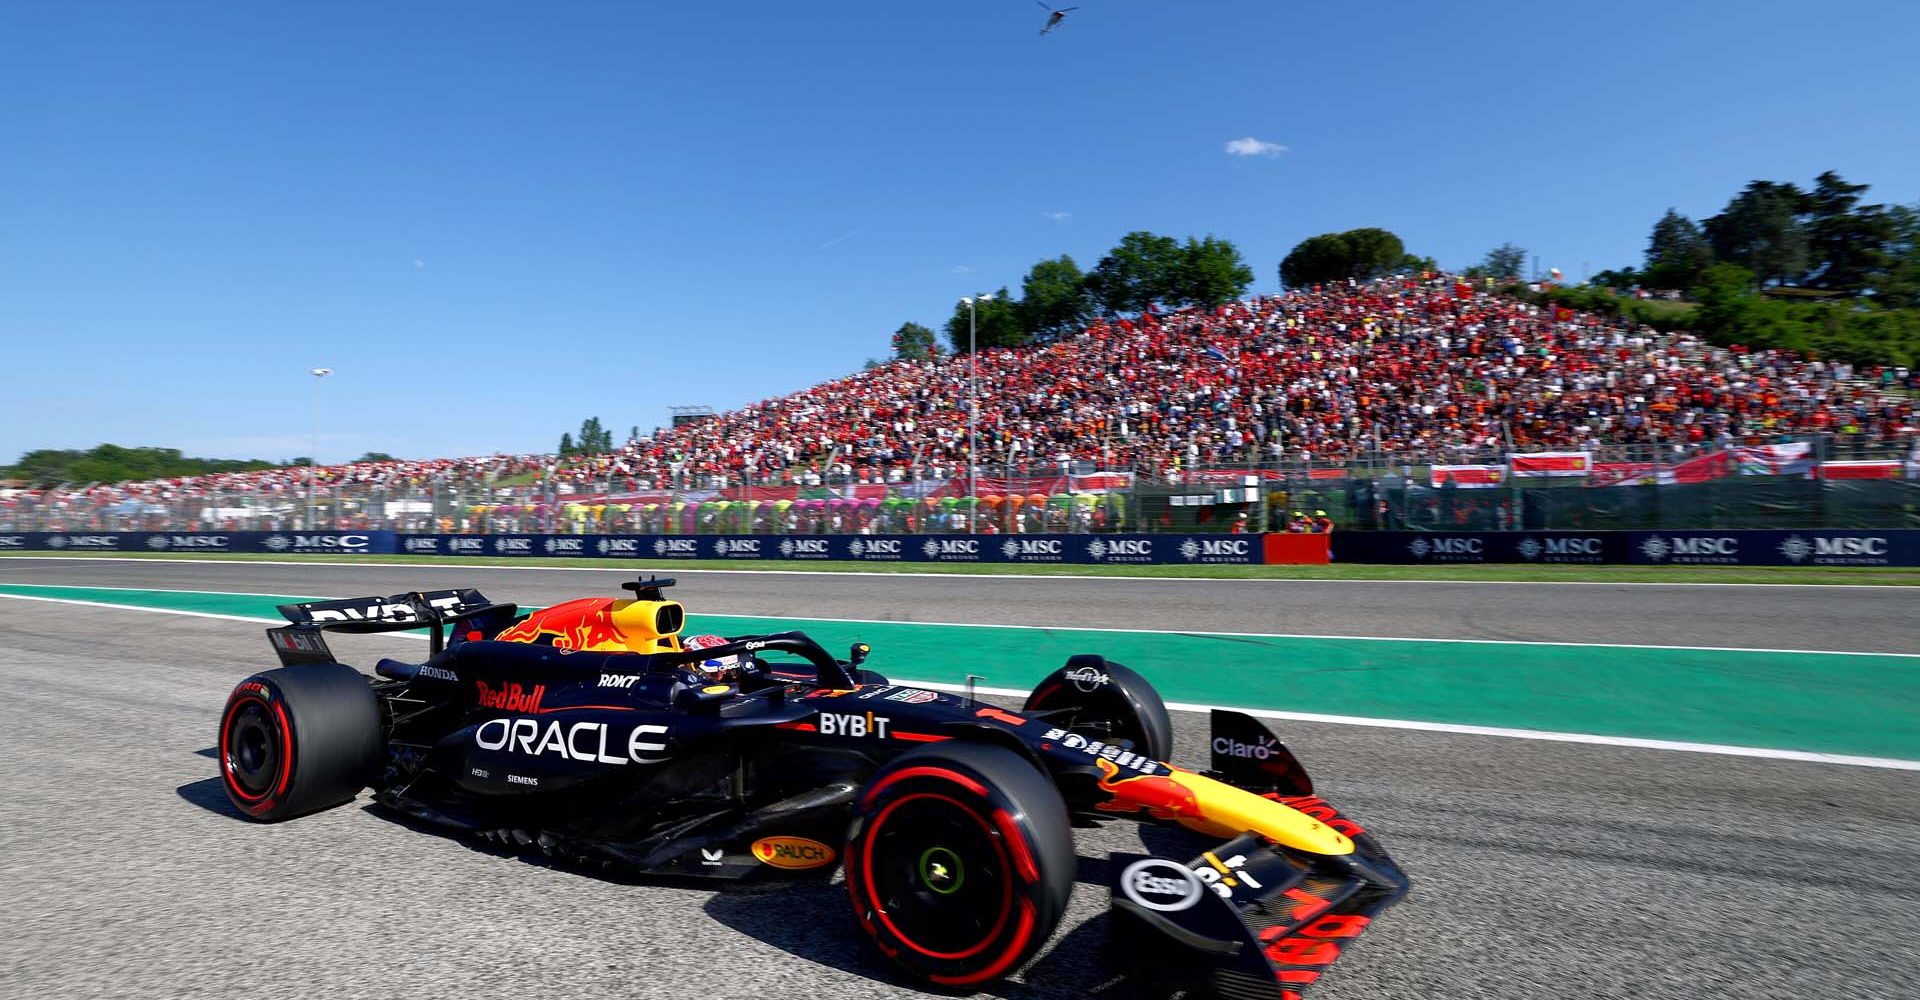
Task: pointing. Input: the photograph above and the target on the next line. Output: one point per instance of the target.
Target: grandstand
(1343, 382)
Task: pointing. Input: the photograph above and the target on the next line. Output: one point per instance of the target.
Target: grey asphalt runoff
(1542, 870)
(1858, 619)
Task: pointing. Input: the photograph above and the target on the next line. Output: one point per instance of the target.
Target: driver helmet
(720, 668)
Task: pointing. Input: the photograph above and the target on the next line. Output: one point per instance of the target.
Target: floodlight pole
(973, 403)
(313, 440)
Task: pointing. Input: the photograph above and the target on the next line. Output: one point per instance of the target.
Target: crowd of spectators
(1426, 369)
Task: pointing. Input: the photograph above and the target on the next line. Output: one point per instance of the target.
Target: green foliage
(1357, 253)
(999, 324)
(1677, 253)
(913, 342)
(376, 456)
(1142, 270)
(1761, 230)
(567, 449)
(1848, 242)
(111, 463)
(594, 439)
(1211, 273)
(1619, 279)
(1054, 298)
(1505, 262)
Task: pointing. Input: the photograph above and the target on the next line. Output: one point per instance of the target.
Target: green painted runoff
(1866, 705)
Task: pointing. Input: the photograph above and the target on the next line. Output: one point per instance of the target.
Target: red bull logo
(511, 697)
(1163, 798)
(579, 625)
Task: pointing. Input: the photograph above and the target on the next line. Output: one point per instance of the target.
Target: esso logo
(1159, 884)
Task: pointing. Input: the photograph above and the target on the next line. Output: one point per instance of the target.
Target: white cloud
(1058, 216)
(959, 269)
(417, 262)
(837, 240)
(1250, 146)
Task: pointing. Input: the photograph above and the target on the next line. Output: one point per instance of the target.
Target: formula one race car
(590, 730)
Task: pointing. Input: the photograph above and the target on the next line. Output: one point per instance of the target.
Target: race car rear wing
(303, 642)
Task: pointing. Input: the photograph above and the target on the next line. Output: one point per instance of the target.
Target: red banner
(1298, 550)
(1467, 477)
(1552, 463)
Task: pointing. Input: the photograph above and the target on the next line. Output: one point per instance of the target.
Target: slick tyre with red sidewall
(298, 739)
(960, 862)
(1106, 701)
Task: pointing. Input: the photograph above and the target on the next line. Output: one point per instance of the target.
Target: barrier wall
(1092, 550)
(1643, 548)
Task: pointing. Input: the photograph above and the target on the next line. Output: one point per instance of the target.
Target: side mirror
(858, 654)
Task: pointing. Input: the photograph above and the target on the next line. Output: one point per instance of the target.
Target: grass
(1878, 576)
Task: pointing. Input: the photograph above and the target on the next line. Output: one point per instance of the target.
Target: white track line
(532, 565)
(1129, 631)
(1887, 763)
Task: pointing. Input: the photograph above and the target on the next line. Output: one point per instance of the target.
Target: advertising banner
(1818, 547)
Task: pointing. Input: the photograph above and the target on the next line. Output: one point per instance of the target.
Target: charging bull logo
(572, 627)
(1163, 798)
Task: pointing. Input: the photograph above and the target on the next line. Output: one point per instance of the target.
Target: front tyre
(959, 862)
(298, 739)
(1103, 700)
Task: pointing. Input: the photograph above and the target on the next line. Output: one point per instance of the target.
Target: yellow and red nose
(1218, 809)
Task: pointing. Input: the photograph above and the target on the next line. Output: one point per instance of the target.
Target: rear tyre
(960, 862)
(298, 739)
(1103, 700)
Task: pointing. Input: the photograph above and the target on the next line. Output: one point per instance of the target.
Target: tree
(376, 456)
(594, 439)
(1142, 270)
(1846, 241)
(1677, 253)
(1761, 230)
(1505, 262)
(999, 324)
(1358, 254)
(1054, 298)
(913, 342)
(1211, 273)
(567, 449)
(1899, 284)
(1619, 279)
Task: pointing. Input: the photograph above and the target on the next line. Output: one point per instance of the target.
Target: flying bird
(1054, 16)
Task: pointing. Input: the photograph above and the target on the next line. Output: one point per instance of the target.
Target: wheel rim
(938, 876)
(251, 754)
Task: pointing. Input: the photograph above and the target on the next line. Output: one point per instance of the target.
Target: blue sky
(493, 220)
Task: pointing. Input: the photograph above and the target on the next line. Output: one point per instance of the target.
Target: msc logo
(876, 548)
(209, 542)
(1447, 547)
(618, 546)
(804, 548)
(513, 546)
(676, 546)
(467, 545)
(1033, 548)
(423, 545)
(737, 548)
(792, 852)
(1828, 549)
(1121, 550)
(1210, 549)
(952, 548)
(564, 546)
(85, 541)
(13, 541)
(1560, 549)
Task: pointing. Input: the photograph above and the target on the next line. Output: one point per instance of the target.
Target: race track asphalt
(1541, 869)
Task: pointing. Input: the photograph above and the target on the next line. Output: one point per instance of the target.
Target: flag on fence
(1467, 477)
(1893, 469)
(1793, 459)
(1552, 463)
